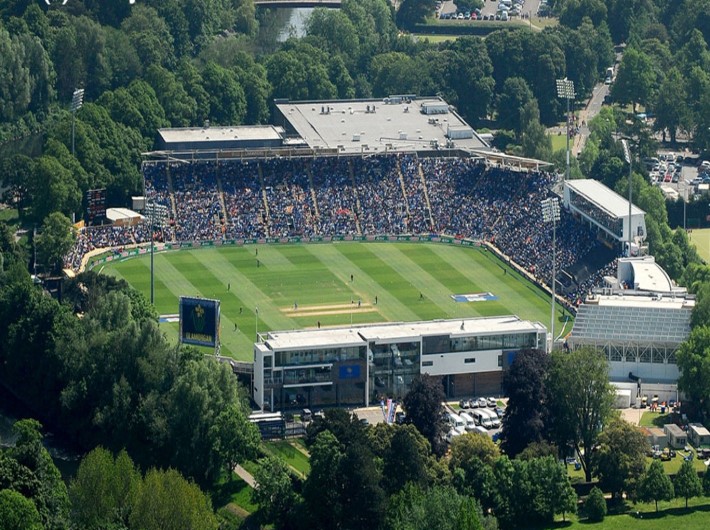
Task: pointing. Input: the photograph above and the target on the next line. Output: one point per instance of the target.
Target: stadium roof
(362, 334)
(650, 276)
(633, 319)
(121, 214)
(211, 134)
(397, 123)
(605, 198)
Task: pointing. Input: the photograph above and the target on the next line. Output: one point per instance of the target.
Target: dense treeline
(98, 368)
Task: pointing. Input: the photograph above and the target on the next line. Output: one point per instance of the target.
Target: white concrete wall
(665, 392)
(453, 363)
(663, 373)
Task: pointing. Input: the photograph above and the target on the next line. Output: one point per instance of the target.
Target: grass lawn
(234, 491)
(292, 456)
(654, 419)
(671, 515)
(411, 281)
(9, 215)
(559, 142)
(701, 239)
(435, 39)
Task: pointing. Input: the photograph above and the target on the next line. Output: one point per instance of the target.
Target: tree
(423, 407)
(580, 399)
(55, 241)
(706, 483)
(274, 491)
(619, 459)
(535, 141)
(655, 485)
(439, 507)
(104, 489)
(687, 483)
(635, 79)
(595, 505)
(524, 384)
(53, 189)
(693, 359)
(406, 459)
(412, 12)
(672, 112)
(514, 96)
(323, 487)
(236, 438)
(472, 445)
(18, 512)
(166, 501)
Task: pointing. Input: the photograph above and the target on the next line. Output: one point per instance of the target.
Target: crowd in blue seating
(373, 195)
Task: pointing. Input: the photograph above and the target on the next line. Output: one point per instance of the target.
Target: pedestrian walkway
(245, 475)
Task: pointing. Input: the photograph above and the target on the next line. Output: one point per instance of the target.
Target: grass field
(642, 516)
(701, 239)
(391, 282)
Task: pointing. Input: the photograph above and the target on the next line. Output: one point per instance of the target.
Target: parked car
(482, 402)
(491, 402)
(464, 404)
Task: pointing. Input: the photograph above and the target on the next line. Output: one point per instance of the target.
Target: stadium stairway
(357, 197)
(220, 194)
(263, 198)
(404, 190)
(171, 194)
(426, 196)
(309, 172)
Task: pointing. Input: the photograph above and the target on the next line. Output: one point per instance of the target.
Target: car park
(500, 411)
(482, 402)
(491, 402)
(481, 418)
(464, 404)
(469, 421)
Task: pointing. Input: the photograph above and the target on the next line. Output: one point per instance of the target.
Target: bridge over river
(297, 3)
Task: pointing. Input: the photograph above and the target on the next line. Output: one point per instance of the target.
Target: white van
(457, 423)
(482, 418)
(492, 416)
(468, 419)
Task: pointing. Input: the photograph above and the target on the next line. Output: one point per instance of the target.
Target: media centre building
(362, 365)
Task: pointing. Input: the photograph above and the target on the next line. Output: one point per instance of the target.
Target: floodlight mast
(627, 157)
(77, 101)
(565, 90)
(551, 214)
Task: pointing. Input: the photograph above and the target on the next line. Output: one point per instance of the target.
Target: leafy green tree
(166, 501)
(415, 508)
(323, 488)
(180, 107)
(595, 505)
(524, 382)
(412, 12)
(226, 95)
(15, 86)
(236, 438)
(582, 401)
(151, 36)
(672, 112)
(635, 80)
(55, 241)
(274, 491)
(535, 141)
(18, 512)
(363, 499)
(619, 459)
(53, 189)
(104, 489)
(573, 12)
(655, 485)
(423, 407)
(471, 445)
(394, 73)
(515, 95)
(16, 171)
(687, 483)
(406, 459)
(693, 359)
(706, 483)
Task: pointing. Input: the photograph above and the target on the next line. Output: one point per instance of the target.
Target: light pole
(565, 90)
(77, 100)
(551, 214)
(256, 324)
(627, 157)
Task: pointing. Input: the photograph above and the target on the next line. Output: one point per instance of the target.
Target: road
(594, 105)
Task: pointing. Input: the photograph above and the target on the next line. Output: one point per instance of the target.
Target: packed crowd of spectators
(106, 236)
(371, 195)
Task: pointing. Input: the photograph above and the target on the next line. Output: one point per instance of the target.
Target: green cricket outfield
(300, 286)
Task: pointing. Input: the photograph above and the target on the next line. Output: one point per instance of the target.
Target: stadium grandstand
(352, 195)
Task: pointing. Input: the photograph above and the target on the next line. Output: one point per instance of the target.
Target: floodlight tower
(565, 90)
(77, 100)
(551, 214)
(627, 157)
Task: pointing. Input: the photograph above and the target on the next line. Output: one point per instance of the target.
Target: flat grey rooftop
(206, 134)
(605, 198)
(373, 126)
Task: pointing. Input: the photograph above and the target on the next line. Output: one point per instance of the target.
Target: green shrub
(595, 505)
